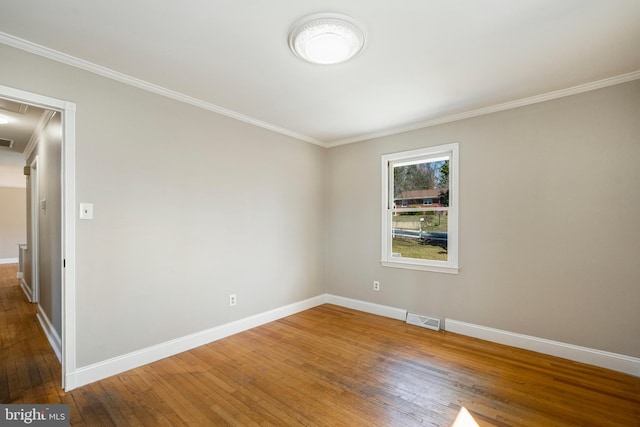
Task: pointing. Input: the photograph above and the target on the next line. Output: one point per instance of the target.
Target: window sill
(421, 267)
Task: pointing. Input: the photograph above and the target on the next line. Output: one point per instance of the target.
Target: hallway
(29, 370)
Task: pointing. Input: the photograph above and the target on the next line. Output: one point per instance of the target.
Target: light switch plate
(86, 210)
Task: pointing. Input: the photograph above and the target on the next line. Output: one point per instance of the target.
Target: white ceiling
(424, 59)
(22, 121)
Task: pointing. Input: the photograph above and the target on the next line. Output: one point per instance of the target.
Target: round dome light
(326, 39)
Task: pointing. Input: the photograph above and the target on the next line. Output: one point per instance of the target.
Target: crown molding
(495, 108)
(55, 55)
(37, 132)
(64, 58)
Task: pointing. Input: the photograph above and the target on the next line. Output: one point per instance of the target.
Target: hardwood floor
(328, 366)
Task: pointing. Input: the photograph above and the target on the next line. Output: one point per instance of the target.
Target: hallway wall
(13, 225)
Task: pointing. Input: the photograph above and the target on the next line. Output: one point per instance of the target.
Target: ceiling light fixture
(326, 38)
(3, 120)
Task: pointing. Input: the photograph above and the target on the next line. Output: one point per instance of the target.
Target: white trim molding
(368, 307)
(8, 260)
(604, 359)
(575, 90)
(26, 289)
(50, 332)
(46, 52)
(37, 132)
(73, 61)
(68, 243)
(388, 162)
(104, 369)
(68, 110)
(116, 365)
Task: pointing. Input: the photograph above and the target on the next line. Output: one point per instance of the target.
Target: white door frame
(68, 184)
(34, 186)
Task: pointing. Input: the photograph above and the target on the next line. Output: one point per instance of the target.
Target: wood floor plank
(226, 404)
(327, 366)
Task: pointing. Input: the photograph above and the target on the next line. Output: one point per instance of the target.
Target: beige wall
(13, 226)
(169, 183)
(554, 255)
(549, 222)
(48, 152)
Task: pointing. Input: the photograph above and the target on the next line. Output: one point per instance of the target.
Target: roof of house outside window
(420, 194)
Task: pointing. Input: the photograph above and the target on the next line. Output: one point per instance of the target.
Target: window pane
(420, 235)
(423, 183)
(420, 209)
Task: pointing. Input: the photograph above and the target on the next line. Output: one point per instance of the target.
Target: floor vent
(423, 321)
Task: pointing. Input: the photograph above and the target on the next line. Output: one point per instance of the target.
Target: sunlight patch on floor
(464, 419)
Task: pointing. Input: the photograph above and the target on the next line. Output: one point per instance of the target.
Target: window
(420, 209)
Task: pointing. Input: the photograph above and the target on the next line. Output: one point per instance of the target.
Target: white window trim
(451, 265)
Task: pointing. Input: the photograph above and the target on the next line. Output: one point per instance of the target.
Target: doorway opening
(63, 306)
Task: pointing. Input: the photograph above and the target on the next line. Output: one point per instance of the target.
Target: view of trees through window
(421, 176)
(420, 209)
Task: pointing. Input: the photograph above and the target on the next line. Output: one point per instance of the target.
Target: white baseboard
(97, 371)
(368, 307)
(26, 289)
(8, 260)
(604, 359)
(116, 365)
(50, 332)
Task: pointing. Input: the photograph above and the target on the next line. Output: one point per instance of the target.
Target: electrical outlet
(376, 285)
(232, 300)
